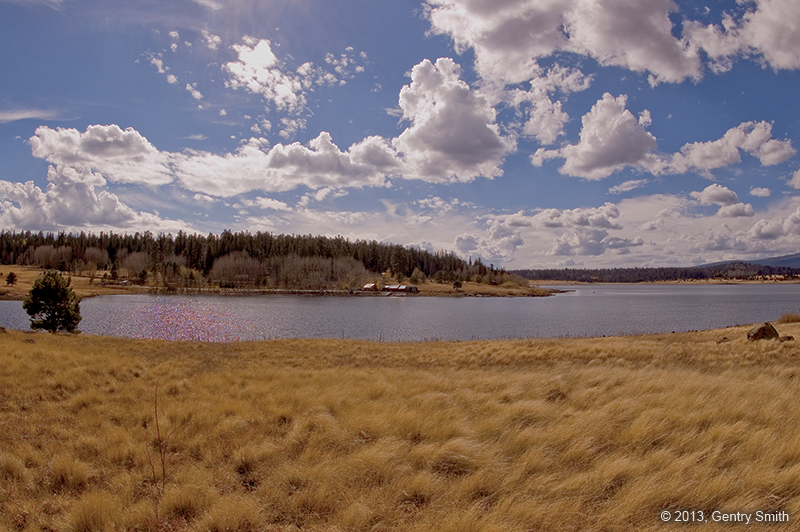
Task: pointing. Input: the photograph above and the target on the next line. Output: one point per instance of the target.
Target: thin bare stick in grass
(163, 444)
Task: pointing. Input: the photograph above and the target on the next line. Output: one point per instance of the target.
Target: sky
(527, 133)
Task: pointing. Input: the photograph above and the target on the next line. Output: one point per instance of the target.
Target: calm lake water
(586, 311)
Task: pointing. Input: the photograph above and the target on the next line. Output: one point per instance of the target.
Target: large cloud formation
(727, 199)
(612, 139)
(80, 165)
(453, 135)
(767, 28)
(754, 138)
(108, 152)
(123, 156)
(509, 36)
(255, 166)
(72, 200)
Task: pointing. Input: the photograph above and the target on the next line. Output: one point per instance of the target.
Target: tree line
(731, 270)
(234, 259)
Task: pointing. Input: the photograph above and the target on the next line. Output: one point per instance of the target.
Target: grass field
(567, 434)
(26, 275)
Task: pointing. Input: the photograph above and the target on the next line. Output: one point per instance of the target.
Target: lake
(587, 310)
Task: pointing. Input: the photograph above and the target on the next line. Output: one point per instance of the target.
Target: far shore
(85, 287)
(675, 281)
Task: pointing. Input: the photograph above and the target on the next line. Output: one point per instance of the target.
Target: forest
(299, 262)
(236, 259)
(731, 270)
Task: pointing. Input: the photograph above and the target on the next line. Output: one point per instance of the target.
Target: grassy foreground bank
(567, 434)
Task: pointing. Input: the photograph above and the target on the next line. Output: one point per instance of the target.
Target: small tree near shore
(11, 278)
(52, 305)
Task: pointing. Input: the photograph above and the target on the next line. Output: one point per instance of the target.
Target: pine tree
(52, 305)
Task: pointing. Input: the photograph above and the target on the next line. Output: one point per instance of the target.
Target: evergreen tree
(52, 305)
(11, 278)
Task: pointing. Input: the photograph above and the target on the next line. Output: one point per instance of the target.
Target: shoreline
(676, 282)
(85, 289)
(114, 290)
(720, 335)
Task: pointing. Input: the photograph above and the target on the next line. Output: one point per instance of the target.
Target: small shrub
(85, 399)
(232, 513)
(69, 474)
(11, 468)
(94, 513)
(790, 317)
(188, 503)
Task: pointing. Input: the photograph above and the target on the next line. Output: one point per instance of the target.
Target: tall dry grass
(568, 434)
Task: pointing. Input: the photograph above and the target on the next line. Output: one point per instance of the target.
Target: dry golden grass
(790, 317)
(594, 434)
(26, 275)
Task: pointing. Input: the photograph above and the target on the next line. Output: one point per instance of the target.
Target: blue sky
(530, 133)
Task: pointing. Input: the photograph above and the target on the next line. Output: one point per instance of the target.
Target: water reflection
(587, 311)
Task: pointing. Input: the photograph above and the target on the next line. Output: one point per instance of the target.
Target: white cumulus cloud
(598, 217)
(453, 134)
(196, 94)
(259, 71)
(498, 243)
(611, 139)
(285, 167)
(588, 241)
(119, 155)
(754, 138)
(767, 28)
(794, 182)
(775, 228)
(72, 200)
(737, 210)
(212, 41)
(716, 195)
(509, 36)
(545, 118)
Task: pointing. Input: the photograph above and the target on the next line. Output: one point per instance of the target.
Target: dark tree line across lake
(731, 270)
(235, 259)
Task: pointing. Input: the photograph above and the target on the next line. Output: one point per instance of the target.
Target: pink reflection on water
(168, 319)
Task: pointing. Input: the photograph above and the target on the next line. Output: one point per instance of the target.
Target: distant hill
(725, 270)
(784, 261)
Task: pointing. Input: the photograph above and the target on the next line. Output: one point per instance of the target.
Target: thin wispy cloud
(13, 115)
